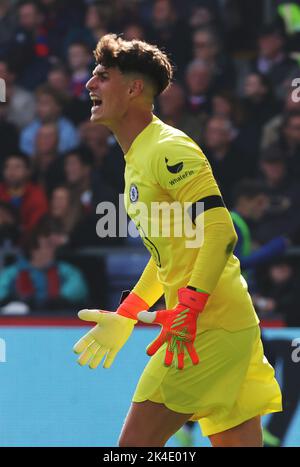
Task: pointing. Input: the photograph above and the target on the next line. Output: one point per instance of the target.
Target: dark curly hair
(135, 57)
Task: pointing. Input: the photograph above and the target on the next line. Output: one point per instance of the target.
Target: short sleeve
(181, 168)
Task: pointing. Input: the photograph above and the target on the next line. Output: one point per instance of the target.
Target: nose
(90, 85)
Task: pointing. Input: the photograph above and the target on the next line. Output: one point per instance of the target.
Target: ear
(136, 87)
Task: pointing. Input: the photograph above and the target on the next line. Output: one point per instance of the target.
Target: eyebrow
(99, 72)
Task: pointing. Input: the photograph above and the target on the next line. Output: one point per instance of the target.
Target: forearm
(148, 286)
(219, 242)
(274, 248)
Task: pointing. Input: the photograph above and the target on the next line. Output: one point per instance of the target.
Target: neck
(130, 126)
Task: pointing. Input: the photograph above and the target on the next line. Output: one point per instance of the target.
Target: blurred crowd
(235, 93)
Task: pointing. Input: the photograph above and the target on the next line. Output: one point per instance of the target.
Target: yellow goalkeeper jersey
(164, 168)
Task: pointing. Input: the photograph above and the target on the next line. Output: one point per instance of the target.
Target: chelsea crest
(133, 193)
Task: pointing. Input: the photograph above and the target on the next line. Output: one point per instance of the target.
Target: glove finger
(83, 343)
(89, 352)
(111, 355)
(170, 351)
(96, 360)
(156, 344)
(180, 355)
(90, 315)
(192, 352)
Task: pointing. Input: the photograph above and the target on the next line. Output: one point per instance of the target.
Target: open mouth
(96, 103)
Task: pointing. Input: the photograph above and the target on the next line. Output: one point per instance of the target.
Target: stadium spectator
(291, 141)
(54, 227)
(87, 186)
(207, 47)
(79, 60)
(166, 30)
(123, 11)
(8, 23)
(59, 18)
(63, 208)
(40, 281)
(199, 82)
(9, 228)
(96, 19)
(227, 162)
(274, 170)
(49, 110)
(240, 22)
(9, 136)
(59, 79)
(251, 202)
(46, 145)
(288, 142)
(134, 31)
(277, 294)
(284, 194)
(107, 156)
(29, 50)
(203, 15)
(16, 189)
(259, 104)
(46, 162)
(75, 109)
(227, 104)
(272, 59)
(272, 127)
(75, 227)
(17, 98)
(173, 110)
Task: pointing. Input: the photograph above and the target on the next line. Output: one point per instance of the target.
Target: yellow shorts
(233, 382)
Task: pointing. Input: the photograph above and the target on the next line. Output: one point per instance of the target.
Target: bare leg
(150, 424)
(248, 434)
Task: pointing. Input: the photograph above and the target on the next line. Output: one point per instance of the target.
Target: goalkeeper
(207, 363)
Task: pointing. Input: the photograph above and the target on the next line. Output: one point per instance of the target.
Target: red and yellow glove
(178, 326)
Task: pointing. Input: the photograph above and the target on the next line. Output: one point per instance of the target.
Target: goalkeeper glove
(111, 332)
(178, 326)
